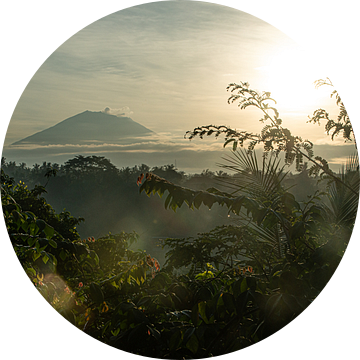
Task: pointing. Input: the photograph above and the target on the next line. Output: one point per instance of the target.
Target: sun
(290, 77)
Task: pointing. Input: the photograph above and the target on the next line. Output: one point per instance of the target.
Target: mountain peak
(89, 127)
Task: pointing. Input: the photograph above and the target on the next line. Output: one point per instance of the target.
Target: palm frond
(343, 202)
(274, 237)
(263, 182)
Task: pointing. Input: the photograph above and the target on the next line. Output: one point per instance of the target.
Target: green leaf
(115, 332)
(243, 286)
(298, 230)
(96, 293)
(31, 241)
(178, 197)
(195, 315)
(45, 258)
(36, 255)
(53, 243)
(63, 255)
(193, 344)
(166, 300)
(229, 302)
(188, 333)
(228, 141)
(260, 215)
(197, 200)
(234, 145)
(31, 270)
(17, 216)
(175, 340)
(49, 231)
(202, 312)
(94, 256)
(237, 204)
(236, 287)
(167, 201)
(41, 224)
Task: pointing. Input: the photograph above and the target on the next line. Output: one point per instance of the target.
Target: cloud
(136, 144)
(124, 111)
(337, 141)
(339, 160)
(190, 156)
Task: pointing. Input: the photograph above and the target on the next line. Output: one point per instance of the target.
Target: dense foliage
(86, 183)
(218, 291)
(107, 198)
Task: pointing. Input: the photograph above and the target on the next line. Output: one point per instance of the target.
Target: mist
(206, 156)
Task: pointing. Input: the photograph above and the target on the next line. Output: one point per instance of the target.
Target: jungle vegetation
(222, 285)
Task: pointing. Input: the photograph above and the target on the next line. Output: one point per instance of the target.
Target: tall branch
(273, 136)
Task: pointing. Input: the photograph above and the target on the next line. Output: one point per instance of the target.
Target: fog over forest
(108, 199)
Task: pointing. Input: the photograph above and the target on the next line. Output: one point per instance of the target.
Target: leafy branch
(342, 123)
(178, 195)
(259, 213)
(273, 136)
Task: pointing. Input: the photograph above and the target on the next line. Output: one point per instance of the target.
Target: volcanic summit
(89, 127)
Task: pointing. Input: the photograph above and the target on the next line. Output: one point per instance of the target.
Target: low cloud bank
(189, 156)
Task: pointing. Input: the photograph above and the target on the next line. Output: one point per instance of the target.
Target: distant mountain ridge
(89, 127)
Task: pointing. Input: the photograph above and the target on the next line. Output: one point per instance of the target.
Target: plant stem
(305, 155)
(328, 173)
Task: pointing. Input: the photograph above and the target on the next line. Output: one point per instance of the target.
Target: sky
(167, 65)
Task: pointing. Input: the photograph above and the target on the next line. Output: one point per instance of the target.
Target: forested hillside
(83, 184)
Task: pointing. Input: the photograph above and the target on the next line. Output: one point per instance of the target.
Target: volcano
(87, 128)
